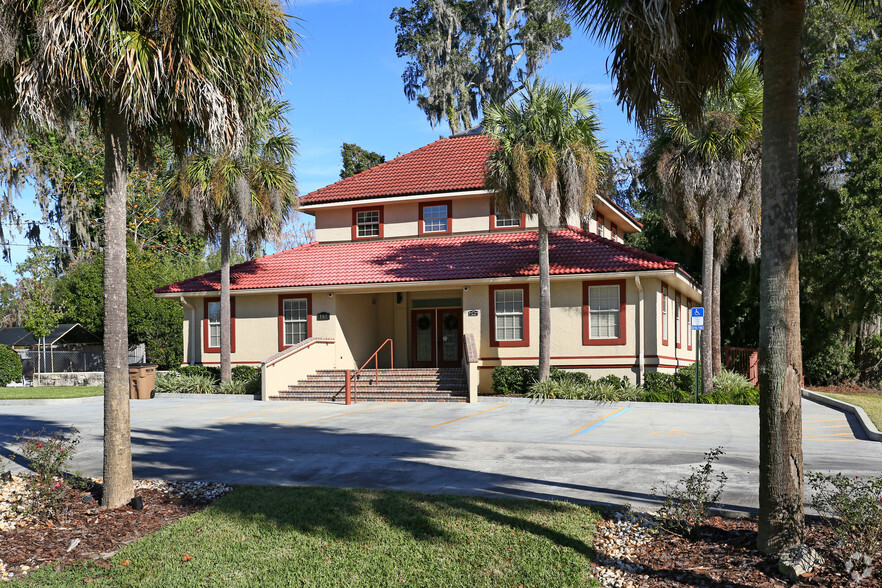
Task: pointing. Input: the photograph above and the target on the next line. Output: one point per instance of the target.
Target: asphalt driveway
(598, 452)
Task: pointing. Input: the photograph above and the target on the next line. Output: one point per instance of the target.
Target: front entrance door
(437, 337)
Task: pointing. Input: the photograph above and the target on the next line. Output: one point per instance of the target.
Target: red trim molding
(282, 299)
(493, 226)
(205, 340)
(586, 315)
(422, 225)
(525, 342)
(355, 212)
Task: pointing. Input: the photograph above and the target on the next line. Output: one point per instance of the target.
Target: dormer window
(435, 217)
(367, 223)
(503, 219)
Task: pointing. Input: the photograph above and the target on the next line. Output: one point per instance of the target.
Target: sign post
(697, 319)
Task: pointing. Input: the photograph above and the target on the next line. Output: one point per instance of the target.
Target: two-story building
(414, 251)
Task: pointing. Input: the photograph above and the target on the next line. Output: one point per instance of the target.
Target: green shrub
(168, 383)
(208, 371)
(543, 390)
(580, 378)
(684, 378)
(233, 387)
(245, 373)
(831, 362)
(746, 397)
(47, 455)
(179, 383)
(731, 383)
(687, 503)
(10, 366)
(512, 379)
(658, 383)
(508, 380)
(615, 382)
(853, 507)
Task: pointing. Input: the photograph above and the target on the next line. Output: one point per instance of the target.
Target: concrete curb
(869, 428)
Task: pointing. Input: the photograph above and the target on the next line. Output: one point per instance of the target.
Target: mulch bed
(723, 555)
(84, 531)
(847, 388)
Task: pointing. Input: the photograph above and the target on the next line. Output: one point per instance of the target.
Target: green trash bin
(142, 380)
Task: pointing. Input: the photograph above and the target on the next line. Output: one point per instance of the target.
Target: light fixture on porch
(330, 294)
(465, 289)
(398, 297)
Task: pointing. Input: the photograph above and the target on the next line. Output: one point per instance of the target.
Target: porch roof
(458, 257)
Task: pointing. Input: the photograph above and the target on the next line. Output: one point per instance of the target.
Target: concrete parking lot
(604, 453)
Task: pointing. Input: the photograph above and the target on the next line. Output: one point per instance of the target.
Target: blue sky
(346, 86)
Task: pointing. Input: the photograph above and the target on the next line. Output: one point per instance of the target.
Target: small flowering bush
(687, 503)
(49, 455)
(853, 507)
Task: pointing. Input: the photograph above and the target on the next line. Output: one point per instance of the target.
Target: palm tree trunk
(544, 305)
(707, 300)
(118, 485)
(225, 318)
(781, 509)
(715, 329)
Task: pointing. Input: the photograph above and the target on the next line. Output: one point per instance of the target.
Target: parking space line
(242, 416)
(837, 440)
(600, 421)
(839, 420)
(827, 427)
(467, 416)
(831, 435)
(183, 405)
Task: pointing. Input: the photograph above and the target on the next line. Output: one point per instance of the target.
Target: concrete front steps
(401, 385)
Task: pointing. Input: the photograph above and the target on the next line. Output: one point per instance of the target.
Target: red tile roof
(466, 257)
(447, 165)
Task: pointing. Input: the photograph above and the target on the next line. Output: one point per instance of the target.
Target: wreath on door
(423, 323)
(450, 322)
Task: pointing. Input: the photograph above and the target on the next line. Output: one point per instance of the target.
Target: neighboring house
(414, 251)
(67, 348)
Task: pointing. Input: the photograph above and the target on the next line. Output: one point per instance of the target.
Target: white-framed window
(600, 228)
(664, 314)
(603, 312)
(508, 308)
(435, 218)
(689, 325)
(367, 223)
(505, 218)
(677, 337)
(214, 321)
(295, 314)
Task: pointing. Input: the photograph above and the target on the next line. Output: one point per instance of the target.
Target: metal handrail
(353, 379)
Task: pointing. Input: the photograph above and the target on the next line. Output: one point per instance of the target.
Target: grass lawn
(50, 392)
(872, 404)
(271, 536)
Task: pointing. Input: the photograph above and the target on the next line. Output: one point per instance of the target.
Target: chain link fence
(53, 360)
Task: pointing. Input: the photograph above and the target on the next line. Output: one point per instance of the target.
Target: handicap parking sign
(698, 319)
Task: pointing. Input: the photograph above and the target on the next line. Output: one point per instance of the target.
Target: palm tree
(682, 48)
(546, 163)
(251, 192)
(707, 177)
(193, 71)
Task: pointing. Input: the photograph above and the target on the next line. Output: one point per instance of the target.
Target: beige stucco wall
(360, 322)
(470, 214)
(295, 367)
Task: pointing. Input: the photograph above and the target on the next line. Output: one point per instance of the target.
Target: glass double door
(437, 337)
